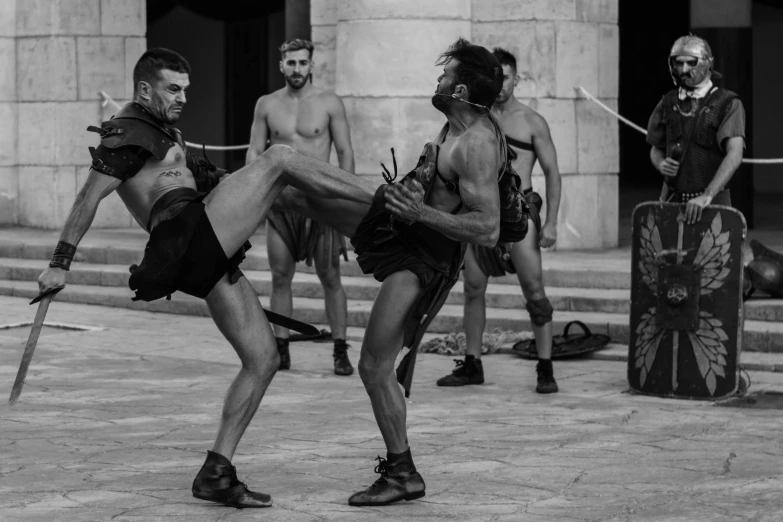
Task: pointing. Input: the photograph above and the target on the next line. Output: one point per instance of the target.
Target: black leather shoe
(398, 482)
(469, 371)
(217, 482)
(342, 365)
(285, 355)
(546, 377)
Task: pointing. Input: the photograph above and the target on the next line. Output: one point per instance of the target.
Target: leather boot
(399, 481)
(342, 365)
(217, 481)
(469, 371)
(546, 377)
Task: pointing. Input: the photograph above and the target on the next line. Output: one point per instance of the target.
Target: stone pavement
(113, 424)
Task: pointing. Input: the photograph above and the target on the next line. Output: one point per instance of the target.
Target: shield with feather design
(686, 301)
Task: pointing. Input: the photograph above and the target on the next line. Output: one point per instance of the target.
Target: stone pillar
(561, 44)
(386, 74)
(323, 31)
(9, 175)
(65, 51)
(384, 70)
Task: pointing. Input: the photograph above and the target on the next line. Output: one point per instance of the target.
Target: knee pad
(540, 311)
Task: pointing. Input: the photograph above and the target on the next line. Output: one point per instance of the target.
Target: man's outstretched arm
(97, 187)
(477, 166)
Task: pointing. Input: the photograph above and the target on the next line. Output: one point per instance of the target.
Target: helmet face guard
(691, 62)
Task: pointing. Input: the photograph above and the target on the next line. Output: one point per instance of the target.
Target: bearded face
(689, 71)
(690, 62)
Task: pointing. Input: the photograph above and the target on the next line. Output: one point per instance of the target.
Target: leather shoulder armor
(134, 126)
(127, 140)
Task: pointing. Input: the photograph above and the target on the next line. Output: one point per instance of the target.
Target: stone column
(9, 175)
(65, 52)
(323, 31)
(561, 44)
(386, 74)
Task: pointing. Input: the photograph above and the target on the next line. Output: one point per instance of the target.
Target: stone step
(760, 336)
(600, 270)
(364, 289)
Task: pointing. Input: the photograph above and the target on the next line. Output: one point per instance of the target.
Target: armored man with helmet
(697, 131)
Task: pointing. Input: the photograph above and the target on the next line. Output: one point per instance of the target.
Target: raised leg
(238, 205)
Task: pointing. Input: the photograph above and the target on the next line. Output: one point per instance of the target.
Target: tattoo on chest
(178, 157)
(170, 173)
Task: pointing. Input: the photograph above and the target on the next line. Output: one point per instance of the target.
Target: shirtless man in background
(308, 120)
(528, 136)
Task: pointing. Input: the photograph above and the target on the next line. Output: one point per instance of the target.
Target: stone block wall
(59, 54)
(379, 56)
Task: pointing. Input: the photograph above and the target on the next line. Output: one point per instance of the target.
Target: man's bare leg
(382, 342)
(327, 267)
(238, 205)
(471, 370)
(526, 256)
(283, 266)
(240, 318)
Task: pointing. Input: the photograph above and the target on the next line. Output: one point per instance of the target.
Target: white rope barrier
(108, 99)
(764, 161)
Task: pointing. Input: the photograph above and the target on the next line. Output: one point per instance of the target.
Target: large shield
(686, 302)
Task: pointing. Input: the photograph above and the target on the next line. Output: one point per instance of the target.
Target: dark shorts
(490, 260)
(301, 235)
(383, 249)
(183, 253)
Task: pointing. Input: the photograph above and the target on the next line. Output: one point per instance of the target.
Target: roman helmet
(702, 65)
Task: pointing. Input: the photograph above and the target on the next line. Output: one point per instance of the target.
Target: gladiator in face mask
(691, 62)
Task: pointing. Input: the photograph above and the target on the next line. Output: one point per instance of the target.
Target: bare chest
(305, 119)
(158, 174)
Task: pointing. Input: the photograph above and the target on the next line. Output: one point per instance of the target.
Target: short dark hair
(478, 69)
(505, 57)
(155, 60)
(297, 45)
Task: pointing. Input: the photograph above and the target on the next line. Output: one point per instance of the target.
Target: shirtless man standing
(528, 135)
(308, 120)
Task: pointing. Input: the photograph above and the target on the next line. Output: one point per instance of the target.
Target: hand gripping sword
(45, 298)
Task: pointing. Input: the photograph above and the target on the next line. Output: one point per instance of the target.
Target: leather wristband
(63, 255)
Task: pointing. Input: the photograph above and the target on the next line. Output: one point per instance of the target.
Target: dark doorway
(232, 47)
(647, 31)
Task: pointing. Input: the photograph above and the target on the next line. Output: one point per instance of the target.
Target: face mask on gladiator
(689, 71)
